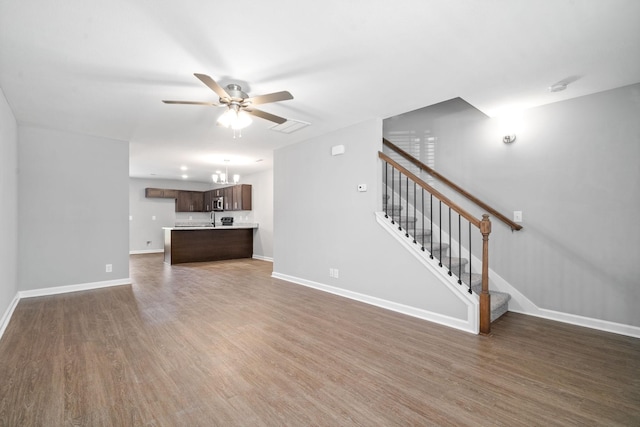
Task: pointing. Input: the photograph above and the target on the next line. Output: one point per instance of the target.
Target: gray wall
(323, 222)
(73, 209)
(8, 206)
(574, 173)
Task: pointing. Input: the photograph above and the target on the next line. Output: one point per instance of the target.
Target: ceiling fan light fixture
(235, 118)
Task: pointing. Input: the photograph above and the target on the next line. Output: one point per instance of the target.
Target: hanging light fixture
(223, 178)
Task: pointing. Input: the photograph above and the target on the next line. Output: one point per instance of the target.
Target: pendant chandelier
(223, 177)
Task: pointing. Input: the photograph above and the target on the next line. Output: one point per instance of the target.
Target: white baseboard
(262, 258)
(587, 322)
(72, 288)
(7, 314)
(146, 251)
(452, 322)
(519, 303)
(54, 291)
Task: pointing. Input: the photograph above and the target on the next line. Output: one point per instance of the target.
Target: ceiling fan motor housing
(235, 93)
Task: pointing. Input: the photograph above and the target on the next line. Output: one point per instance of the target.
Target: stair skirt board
(469, 325)
(464, 254)
(461, 291)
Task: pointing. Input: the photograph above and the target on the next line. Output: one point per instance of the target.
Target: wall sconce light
(509, 122)
(508, 139)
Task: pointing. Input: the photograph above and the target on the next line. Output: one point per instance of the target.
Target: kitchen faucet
(213, 218)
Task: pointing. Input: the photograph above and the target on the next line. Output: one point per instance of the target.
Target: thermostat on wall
(337, 149)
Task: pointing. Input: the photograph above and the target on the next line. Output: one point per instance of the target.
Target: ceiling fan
(238, 104)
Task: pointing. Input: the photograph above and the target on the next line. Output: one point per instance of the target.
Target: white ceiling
(102, 68)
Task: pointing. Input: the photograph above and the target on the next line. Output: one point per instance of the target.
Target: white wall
(321, 221)
(262, 204)
(573, 171)
(73, 209)
(142, 227)
(8, 208)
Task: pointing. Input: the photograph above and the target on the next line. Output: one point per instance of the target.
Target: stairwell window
(421, 146)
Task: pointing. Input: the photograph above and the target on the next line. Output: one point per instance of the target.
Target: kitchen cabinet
(209, 197)
(211, 244)
(235, 198)
(161, 193)
(227, 194)
(190, 201)
(241, 197)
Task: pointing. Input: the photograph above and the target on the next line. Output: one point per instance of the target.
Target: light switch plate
(517, 216)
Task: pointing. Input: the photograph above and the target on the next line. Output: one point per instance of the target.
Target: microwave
(218, 203)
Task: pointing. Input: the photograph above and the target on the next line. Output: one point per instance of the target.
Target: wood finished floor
(224, 344)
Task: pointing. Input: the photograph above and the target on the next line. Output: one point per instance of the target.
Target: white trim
(586, 322)
(6, 317)
(523, 305)
(441, 319)
(72, 288)
(471, 300)
(146, 251)
(262, 258)
(54, 291)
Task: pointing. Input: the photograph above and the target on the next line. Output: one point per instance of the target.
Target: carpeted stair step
(437, 249)
(499, 304)
(499, 300)
(404, 220)
(457, 264)
(476, 281)
(394, 210)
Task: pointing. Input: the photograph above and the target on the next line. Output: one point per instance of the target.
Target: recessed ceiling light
(185, 176)
(183, 168)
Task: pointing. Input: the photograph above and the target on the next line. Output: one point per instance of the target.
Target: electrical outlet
(333, 272)
(148, 242)
(109, 268)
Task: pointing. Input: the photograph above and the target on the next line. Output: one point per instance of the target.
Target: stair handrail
(513, 225)
(484, 225)
(466, 215)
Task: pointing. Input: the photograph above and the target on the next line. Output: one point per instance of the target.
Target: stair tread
(446, 260)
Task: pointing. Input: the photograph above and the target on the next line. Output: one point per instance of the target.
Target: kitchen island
(208, 243)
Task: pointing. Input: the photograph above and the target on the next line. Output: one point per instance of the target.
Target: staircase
(499, 301)
(442, 228)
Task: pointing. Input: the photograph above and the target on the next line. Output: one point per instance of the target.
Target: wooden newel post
(485, 299)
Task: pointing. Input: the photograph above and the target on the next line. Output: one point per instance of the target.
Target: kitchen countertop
(239, 225)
